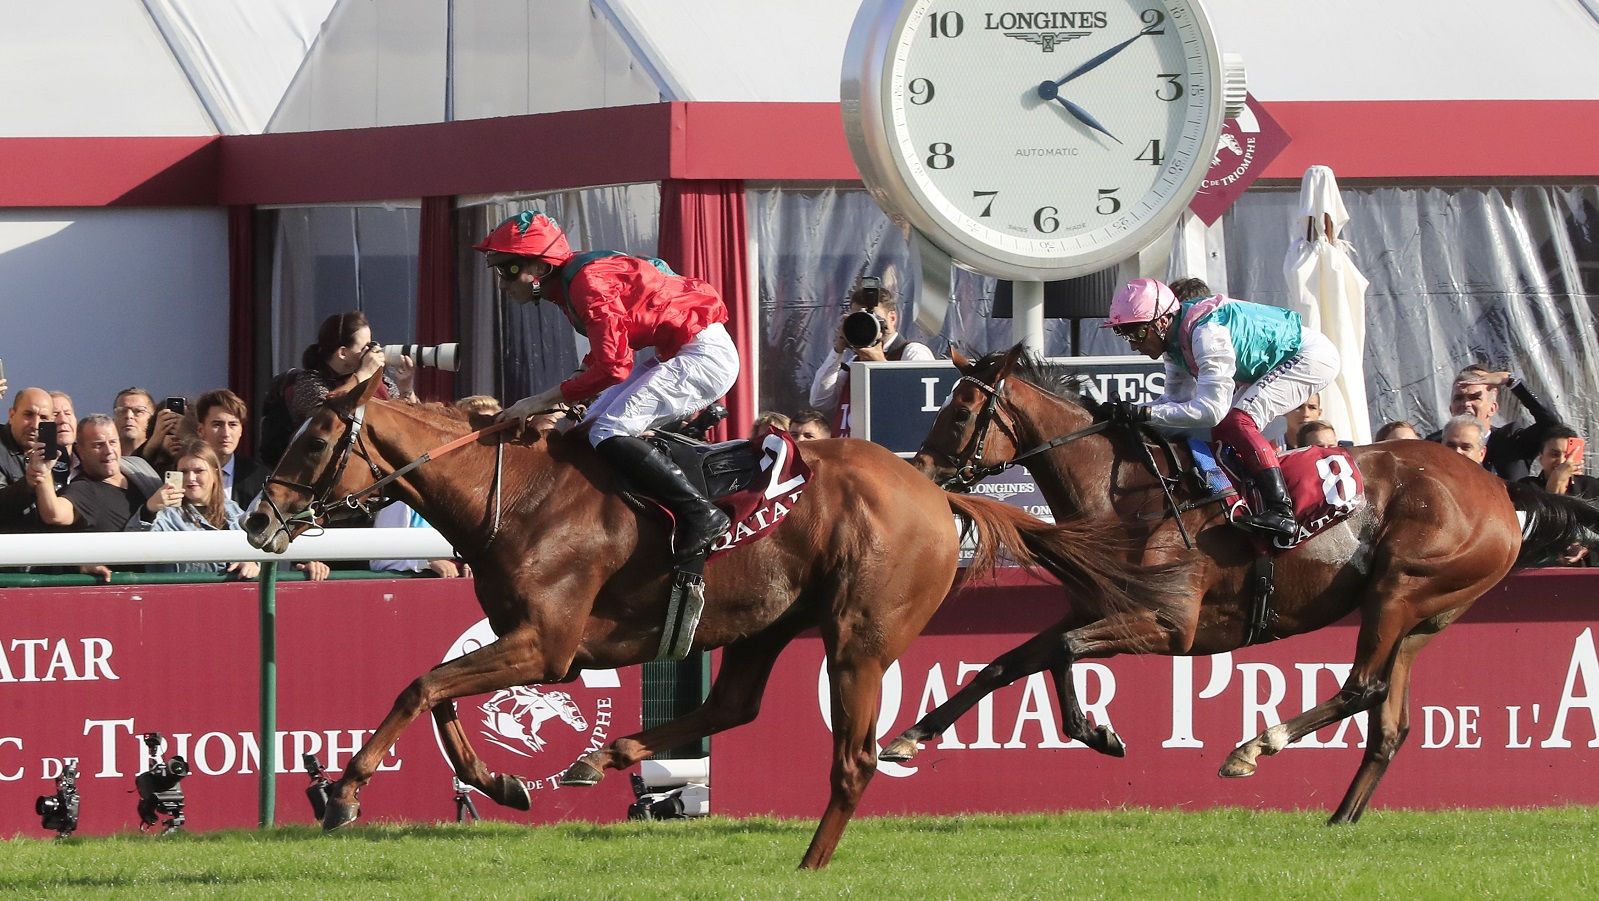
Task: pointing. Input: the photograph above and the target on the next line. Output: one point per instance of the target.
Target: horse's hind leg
(514, 659)
(856, 681)
(1074, 722)
(734, 699)
(1032, 656)
(502, 789)
(1389, 724)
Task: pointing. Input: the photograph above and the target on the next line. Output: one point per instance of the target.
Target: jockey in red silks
(1231, 367)
(658, 352)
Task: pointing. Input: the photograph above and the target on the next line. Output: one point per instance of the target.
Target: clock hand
(1096, 61)
(1084, 117)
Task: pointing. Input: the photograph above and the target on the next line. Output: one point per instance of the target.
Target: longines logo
(1046, 29)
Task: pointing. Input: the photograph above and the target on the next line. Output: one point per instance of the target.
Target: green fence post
(269, 692)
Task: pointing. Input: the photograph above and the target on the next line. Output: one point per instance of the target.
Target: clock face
(1033, 141)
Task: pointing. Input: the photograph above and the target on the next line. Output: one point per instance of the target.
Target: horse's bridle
(322, 506)
(363, 501)
(973, 470)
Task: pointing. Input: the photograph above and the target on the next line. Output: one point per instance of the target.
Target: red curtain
(241, 308)
(435, 292)
(703, 235)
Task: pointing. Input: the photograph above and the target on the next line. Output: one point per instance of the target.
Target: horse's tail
(1553, 522)
(1083, 555)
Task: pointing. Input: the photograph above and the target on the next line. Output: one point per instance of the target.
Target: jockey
(658, 352)
(1231, 367)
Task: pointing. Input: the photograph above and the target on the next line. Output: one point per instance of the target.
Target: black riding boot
(1276, 517)
(699, 522)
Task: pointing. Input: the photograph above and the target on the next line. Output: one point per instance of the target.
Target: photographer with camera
(343, 356)
(869, 330)
(59, 812)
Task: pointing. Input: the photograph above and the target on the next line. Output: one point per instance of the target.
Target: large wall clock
(1031, 141)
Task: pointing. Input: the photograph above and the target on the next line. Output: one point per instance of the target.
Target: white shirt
(824, 387)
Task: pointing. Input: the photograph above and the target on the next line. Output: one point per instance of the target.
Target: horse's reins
(973, 471)
(320, 505)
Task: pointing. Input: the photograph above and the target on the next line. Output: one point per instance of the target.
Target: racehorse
(574, 578)
(1435, 532)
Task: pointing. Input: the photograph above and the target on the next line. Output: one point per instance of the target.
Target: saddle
(720, 469)
(756, 482)
(1324, 483)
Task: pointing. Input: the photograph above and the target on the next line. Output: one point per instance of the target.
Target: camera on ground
(59, 812)
(434, 356)
(160, 795)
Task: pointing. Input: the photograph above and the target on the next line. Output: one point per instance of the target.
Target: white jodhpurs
(659, 391)
(1291, 384)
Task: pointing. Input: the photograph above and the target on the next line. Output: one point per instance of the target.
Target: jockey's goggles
(1134, 332)
(509, 271)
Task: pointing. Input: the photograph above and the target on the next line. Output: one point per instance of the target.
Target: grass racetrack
(1222, 853)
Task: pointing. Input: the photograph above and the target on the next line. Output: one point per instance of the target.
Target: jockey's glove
(1126, 412)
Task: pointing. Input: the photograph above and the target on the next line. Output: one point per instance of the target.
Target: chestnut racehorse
(574, 578)
(1436, 531)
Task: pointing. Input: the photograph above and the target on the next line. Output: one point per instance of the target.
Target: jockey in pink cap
(658, 352)
(1231, 367)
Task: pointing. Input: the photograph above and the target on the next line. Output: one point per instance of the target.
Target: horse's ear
(362, 392)
(1005, 365)
(960, 360)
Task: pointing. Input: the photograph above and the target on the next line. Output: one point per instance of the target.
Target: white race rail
(113, 548)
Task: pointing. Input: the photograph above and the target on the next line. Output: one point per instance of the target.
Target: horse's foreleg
(502, 789)
(855, 684)
(515, 659)
(734, 699)
(1032, 656)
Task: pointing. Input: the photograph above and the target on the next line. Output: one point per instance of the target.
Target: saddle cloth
(1324, 483)
(755, 482)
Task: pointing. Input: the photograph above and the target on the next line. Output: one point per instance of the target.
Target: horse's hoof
(1107, 742)
(510, 791)
(581, 773)
(339, 814)
(1236, 767)
(899, 750)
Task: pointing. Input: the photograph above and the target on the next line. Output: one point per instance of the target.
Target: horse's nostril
(255, 522)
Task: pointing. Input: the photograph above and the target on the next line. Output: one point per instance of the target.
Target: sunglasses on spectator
(137, 411)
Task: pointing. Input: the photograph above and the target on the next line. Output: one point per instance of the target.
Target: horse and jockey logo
(536, 731)
(514, 716)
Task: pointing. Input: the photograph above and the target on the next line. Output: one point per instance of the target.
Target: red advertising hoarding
(1503, 713)
(85, 672)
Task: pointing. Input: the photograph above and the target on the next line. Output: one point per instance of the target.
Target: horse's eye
(319, 444)
(962, 416)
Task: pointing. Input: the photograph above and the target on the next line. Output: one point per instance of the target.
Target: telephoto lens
(864, 328)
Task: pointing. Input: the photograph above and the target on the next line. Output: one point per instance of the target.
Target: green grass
(1136, 853)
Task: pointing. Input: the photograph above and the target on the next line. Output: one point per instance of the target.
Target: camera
(864, 328)
(60, 810)
(159, 792)
(436, 356)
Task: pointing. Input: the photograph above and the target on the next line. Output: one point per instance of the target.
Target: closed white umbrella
(1326, 288)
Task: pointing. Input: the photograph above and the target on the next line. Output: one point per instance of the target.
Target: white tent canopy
(195, 67)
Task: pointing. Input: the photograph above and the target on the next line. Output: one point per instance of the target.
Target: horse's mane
(1053, 378)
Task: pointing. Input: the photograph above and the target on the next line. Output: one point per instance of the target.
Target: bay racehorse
(1436, 531)
(574, 578)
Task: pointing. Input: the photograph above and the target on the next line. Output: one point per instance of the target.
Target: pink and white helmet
(1140, 300)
